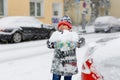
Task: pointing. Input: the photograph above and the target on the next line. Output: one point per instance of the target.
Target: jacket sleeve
(81, 42)
(50, 45)
(51, 40)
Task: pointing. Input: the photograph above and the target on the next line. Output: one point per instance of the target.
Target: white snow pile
(65, 40)
(17, 21)
(64, 36)
(107, 59)
(109, 50)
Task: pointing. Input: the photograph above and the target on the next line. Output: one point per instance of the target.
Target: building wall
(22, 8)
(48, 10)
(18, 7)
(75, 12)
(114, 10)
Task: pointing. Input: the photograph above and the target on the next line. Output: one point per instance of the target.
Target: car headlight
(1, 30)
(6, 30)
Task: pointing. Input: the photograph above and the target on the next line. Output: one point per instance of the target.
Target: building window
(32, 8)
(57, 9)
(55, 13)
(36, 8)
(1, 7)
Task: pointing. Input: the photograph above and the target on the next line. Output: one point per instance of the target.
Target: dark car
(18, 28)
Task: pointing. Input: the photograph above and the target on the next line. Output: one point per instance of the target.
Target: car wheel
(17, 37)
(96, 31)
(112, 30)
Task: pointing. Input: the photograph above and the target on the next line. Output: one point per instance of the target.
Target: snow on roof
(17, 21)
(106, 19)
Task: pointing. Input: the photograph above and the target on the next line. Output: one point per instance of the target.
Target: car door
(43, 32)
(28, 32)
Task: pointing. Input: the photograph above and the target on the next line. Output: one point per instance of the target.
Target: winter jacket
(64, 61)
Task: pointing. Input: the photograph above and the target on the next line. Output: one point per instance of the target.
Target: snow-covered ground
(32, 60)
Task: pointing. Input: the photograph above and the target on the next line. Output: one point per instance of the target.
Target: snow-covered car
(102, 60)
(18, 28)
(106, 24)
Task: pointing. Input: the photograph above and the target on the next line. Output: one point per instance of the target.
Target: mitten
(81, 42)
(50, 44)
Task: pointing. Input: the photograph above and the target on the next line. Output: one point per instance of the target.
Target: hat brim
(65, 23)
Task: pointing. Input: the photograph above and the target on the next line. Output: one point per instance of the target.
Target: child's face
(63, 27)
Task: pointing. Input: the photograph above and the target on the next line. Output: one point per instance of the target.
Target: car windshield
(100, 24)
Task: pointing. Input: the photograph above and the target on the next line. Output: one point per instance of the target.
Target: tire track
(25, 57)
(10, 47)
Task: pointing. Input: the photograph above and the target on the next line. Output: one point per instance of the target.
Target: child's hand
(81, 42)
(78, 44)
(50, 44)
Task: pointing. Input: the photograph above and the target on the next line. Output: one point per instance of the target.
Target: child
(64, 41)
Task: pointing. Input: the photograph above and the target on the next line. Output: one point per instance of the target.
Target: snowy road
(10, 52)
(32, 60)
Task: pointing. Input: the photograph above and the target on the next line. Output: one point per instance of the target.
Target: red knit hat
(64, 23)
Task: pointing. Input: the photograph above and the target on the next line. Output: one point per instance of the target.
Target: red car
(102, 60)
(89, 72)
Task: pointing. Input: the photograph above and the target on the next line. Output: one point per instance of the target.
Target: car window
(100, 24)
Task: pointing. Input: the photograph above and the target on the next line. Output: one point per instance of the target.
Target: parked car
(106, 24)
(18, 28)
(102, 60)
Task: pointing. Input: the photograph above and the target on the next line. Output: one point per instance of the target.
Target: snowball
(64, 36)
